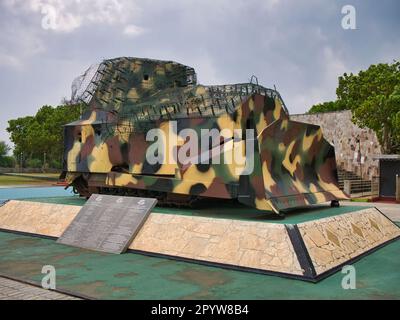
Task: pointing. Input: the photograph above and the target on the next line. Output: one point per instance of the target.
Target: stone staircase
(358, 186)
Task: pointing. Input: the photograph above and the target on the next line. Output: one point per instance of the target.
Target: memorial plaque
(108, 223)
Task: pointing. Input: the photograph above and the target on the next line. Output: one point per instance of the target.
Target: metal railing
(362, 188)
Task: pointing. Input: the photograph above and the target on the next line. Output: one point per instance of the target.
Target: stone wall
(355, 147)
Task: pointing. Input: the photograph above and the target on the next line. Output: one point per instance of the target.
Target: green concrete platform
(134, 276)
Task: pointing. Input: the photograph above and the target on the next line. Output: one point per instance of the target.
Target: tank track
(164, 199)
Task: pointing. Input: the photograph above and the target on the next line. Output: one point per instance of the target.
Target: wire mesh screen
(120, 87)
(81, 83)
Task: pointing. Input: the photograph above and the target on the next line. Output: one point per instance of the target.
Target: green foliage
(55, 164)
(33, 136)
(18, 129)
(327, 107)
(5, 160)
(373, 96)
(4, 148)
(34, 163)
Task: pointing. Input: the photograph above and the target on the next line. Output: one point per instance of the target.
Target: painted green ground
(16, 179)
(133, 276)
(231, 211)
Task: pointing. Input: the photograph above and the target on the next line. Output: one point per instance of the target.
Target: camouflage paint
(105, 150)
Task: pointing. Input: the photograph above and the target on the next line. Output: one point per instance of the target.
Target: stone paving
(14, 290)
(392, 210)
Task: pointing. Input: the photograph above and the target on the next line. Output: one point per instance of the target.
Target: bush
(34, 163)
(55, 164)
(7, 162)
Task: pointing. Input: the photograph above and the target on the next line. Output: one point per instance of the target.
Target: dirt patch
(91, 289)
(206, 280)
(23, 241)
(125, 274)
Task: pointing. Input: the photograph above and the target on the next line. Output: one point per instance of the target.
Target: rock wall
(355, 147)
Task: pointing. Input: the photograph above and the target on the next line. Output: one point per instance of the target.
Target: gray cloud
(297, 45)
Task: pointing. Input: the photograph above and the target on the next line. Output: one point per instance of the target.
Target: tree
(373, 96)
(35, 136)
(4, 149)
(5, 160)
(18, 130)
(326, 107)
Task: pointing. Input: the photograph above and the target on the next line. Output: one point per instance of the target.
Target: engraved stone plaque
(108, 223)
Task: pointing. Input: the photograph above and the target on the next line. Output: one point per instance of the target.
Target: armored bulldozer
(148, 129)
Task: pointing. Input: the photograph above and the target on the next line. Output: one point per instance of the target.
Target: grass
(19, 179)
(34, 175)
(360, 199)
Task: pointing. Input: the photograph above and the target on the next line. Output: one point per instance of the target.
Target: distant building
(389, 169)
(357, 149)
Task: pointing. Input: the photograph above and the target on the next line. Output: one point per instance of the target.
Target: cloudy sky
(297, 45)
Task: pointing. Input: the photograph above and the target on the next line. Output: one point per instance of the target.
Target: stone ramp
(338, 240)
(309, 250)
(44, 219)
(258, 246)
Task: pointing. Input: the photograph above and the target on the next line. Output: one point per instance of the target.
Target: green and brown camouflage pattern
(105, 150)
